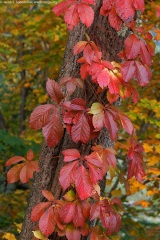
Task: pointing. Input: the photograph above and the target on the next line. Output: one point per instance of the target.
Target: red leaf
(86, 14)
(139, 5)
(30, 155)
(27, 172)
(78, 104)
(108, 157)
(40, 116)
(135, 155)
(47, 223)
(114, 19)
(103, 78)
(109, 154)
(98, 121)
(145, 55)
(34, 165)
(13, 173)
(116, 201)
(78, 218)
(48, 195)
(114, 83)
(83, 183)
(94, 159)
(66, 176)
(60, 8)
(85, 205)
(81, 130)
(109, 217)
(158, 12)
(14, 160)
(72, 233)
(53, 131)
(112, 223)
(111, 125)
(142, 74)
(124, 9)
(54, 91)
(94, 213)
(38, 210)
(132, 44)
(71, 16)
(67, 212)
(128, 70)
(79, 47)
(126, 123)
(70, 155)
(88, 54)
(95, 173)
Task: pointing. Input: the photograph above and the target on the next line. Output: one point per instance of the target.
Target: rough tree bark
(110, 44)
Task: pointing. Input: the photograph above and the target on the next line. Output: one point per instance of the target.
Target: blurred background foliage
(32, 42)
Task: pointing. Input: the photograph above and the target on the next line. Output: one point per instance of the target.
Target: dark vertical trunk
(110, 43)
(24, 93)
(2, 121)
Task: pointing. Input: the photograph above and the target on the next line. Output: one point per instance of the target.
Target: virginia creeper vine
(80, 176)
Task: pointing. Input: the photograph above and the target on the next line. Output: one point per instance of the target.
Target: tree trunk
(51, 160)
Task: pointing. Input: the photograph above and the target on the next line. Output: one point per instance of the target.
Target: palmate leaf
(135, 155)
(72, 212)
(47, 213)
(110, 218)
(109, 117)
(76, 212)
(75, 12)
(75, 172)
(107, 156)
(23, 171)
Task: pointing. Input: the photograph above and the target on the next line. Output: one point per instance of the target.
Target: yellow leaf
(135, 186)
(143, 203)
(152, 192)
(156, 171)
(117, 193)
(147, 148)
(108, 182)
(9, 236)
(157, 147)
(19, 226)
(39, 235)
(153, 160)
